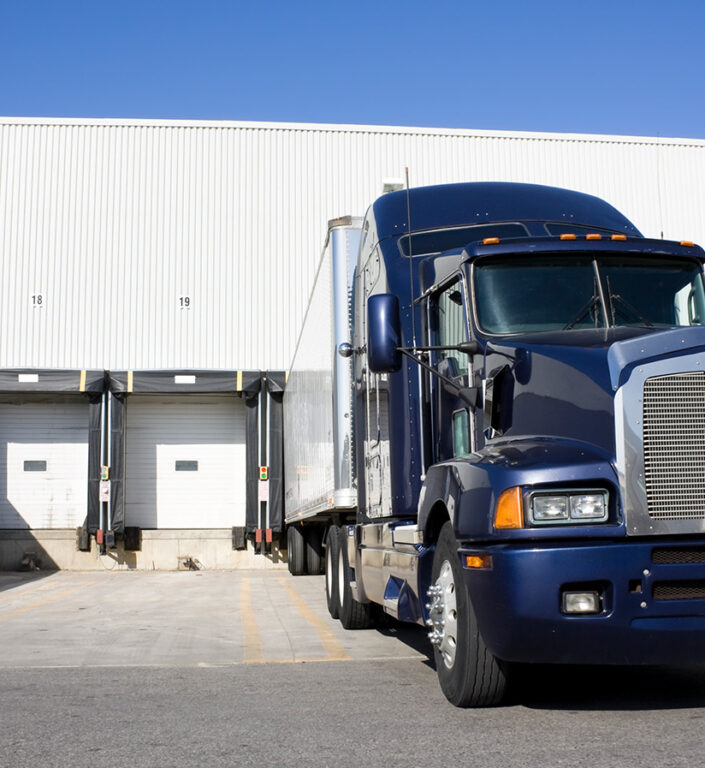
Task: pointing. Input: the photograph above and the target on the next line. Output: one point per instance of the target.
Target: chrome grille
(674, 446)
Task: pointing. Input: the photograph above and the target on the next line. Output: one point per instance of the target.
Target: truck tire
(331, 566)
(470, 676)
(352, 614)
(314, 550)
(295, 550)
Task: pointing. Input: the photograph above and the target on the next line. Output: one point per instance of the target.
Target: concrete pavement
(181, 618)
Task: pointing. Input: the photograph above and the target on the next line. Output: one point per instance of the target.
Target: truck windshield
(548, 293)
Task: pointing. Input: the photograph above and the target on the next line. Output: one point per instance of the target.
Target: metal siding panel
(160, 431)
(114, 221)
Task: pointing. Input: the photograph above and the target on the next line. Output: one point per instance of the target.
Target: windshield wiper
(584, 311)
(630, 308)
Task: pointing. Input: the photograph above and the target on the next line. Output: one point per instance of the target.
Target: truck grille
(674, 446)
(677, 555)
(679, 590)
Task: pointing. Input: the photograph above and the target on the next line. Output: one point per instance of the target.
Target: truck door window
(451, 326)
(452, 421)
(461, 433)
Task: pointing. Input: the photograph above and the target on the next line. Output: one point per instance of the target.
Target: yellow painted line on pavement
(253, 650)
(330, 643)
(48, 600)
(17, 595)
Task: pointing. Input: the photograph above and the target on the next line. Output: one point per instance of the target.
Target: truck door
(452, 418)
(379, 503)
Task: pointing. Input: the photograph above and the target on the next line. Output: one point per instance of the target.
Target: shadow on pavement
(412, 635)
(608, 688)
(16, 579)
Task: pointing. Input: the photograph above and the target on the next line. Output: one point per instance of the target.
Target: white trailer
(319, 472)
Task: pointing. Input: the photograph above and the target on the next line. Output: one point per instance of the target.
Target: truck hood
(564, 384)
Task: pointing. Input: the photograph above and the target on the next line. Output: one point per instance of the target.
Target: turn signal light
(478, 561)
(510, 509)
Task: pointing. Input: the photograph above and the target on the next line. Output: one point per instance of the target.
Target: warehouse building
(153, 278)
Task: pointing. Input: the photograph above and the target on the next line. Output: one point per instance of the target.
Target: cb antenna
(411, 259)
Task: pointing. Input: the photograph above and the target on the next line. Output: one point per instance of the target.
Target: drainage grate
(680, 590)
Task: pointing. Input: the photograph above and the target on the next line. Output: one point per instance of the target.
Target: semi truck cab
(554, 387)
(526, 379)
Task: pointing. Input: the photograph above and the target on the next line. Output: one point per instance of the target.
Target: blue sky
(634, 67)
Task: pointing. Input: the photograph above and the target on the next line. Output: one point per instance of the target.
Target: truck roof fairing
(454, 205)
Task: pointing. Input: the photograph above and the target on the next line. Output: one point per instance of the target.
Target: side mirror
(383, 333)
(498, 393)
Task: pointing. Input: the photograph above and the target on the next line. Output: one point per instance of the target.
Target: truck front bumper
(651, 612)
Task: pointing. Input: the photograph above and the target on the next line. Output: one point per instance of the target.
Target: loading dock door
(185, 461)
(43, 462)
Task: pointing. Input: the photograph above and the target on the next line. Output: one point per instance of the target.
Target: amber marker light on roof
(618, 237)
(510, 509)
(593, 236)
(687, 243)
(490, 241)
(568, 236)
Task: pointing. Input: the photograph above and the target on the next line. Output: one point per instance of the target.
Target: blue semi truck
(495, 426)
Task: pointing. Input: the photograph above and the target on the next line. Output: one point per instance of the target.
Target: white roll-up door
(43, 462)
(185, 461)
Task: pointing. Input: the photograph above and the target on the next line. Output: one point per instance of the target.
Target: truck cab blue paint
(518, 604)
(457, 205)
(560, 430)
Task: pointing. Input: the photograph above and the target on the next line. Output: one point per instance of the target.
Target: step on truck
(494, 426)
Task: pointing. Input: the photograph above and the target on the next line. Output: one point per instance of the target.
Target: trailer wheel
(331, 563)
(470, 676)
(295, 549)
(352, 614)
(314, 550)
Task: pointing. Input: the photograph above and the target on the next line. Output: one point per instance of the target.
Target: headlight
(589, 506)
(581, 506)
(547, 508)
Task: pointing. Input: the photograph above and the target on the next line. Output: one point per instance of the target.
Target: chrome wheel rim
(443, 615)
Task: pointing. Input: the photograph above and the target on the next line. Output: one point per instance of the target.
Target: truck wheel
(295, 550)
(470, 676)
(352, 615)
(332, 545)
(313, 546)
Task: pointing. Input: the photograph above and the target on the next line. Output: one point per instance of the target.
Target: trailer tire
(314, 550)
(331, 570)
(295, 550)
(470, 676)
(352, 614)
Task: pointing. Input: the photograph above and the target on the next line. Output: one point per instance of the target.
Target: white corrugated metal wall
(142, 244)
